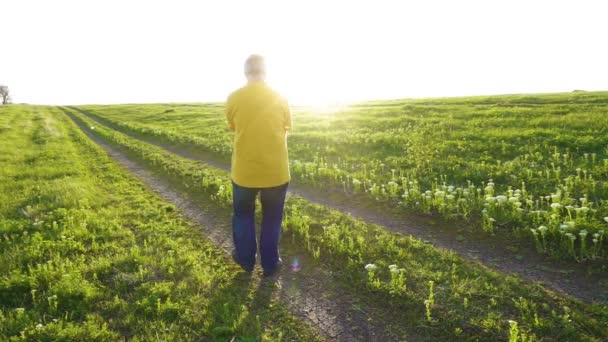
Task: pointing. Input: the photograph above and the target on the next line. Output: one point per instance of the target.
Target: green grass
(87, 253)
(433, 293)
(513, 163)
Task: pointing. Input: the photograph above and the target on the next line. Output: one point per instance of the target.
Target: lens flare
(295, 265)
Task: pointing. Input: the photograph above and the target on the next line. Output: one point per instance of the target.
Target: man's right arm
(230, 112)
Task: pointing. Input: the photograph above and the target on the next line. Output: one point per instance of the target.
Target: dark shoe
(274, 270)
(236, 259)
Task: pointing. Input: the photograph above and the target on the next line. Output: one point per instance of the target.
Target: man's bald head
(255, 68)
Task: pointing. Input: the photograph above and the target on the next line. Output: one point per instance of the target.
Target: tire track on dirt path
(310, 294)
(503, 253)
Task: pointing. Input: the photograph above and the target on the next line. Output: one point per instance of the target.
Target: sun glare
(372, 51)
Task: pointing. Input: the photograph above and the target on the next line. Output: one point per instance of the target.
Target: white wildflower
(501, 198)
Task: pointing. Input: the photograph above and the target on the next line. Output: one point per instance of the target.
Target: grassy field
(88, 253)
(434, 293)
(534, 166)
(80, 242)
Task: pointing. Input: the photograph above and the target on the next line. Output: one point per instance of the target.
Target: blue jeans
(243, 223)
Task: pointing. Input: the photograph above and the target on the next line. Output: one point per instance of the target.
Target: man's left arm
(287, 116)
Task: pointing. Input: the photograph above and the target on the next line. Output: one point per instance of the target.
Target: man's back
(260, 118)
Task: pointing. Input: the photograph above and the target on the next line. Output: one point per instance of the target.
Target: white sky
(75, 52)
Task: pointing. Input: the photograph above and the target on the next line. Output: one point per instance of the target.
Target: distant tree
(4, 94)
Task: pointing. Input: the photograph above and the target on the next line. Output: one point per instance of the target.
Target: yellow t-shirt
(260, 118)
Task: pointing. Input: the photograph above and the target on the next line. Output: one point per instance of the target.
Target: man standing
(260, 118)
